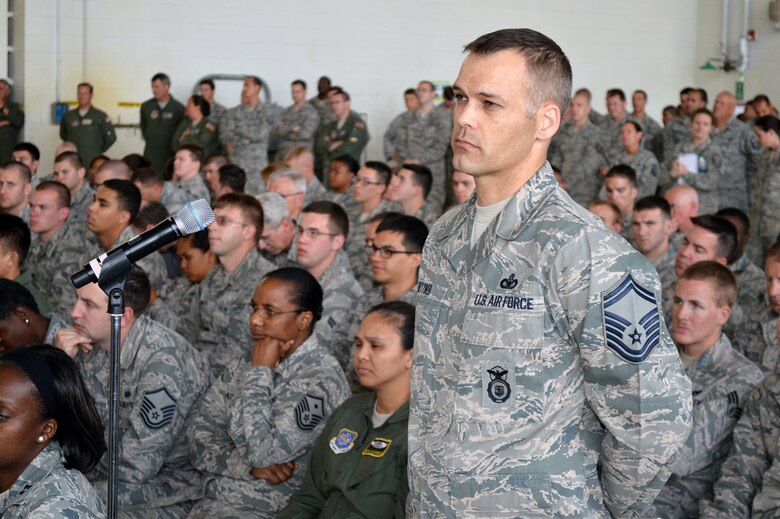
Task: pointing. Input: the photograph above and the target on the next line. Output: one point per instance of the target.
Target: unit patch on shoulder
(632, 323)
(377, 448)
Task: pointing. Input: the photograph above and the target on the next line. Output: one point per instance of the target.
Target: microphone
(193, 217)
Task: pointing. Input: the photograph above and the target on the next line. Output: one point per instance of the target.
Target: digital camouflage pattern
(741, 151)
(248, 130)
(296, 127)
(579, 155)
(706, 180)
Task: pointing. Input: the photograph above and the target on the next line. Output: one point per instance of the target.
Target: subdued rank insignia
(309, 412)
(158, 409)
(734, 410)
(498, 389)
(377, 448)
(343, 441)
(508, 283)
(632, 322)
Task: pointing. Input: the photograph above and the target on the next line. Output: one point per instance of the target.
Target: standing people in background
(642, 161)
(160, 116)
(54, 435)
(503, 411)
(297, 125)
(611, 124)
(762, 106)
(346, 134)
(422, 139)
(320, 101)
(765, 206)
(11, 121)
(245, 129)
(412, 103)
(650, 126)
(678, 131)
(196, 127)
(87, 127)
(207, 89)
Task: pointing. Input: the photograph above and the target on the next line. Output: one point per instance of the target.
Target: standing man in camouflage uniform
(722, 380)
(245, 129)
(11, 121)
(346, 135)
(87, 127)
(422, 138)
(678, 132)
(616, 117)
(412, 103)
(298, 123)
(207, 88)
(161, 377)
(741, 151)
(160, 116)
(523, 402)
(578, 152)
(650, 126)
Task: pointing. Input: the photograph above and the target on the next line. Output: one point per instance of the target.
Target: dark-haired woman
(635, 155)
(264, 413)
(765, 206)
(50, 433)
(196, 127)
(21, 322)
(358, 466)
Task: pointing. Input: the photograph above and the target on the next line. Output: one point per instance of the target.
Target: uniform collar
(401, 414)
(713, 358)
(40, 467)
(308, 354)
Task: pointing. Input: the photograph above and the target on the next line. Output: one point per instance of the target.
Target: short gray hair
(274, 209)
(298, 180)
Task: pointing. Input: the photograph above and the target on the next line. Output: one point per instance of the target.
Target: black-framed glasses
(386, 252)
(268, 313)
(365, 182)
(312, 233)
(224, 220)
(290, 194)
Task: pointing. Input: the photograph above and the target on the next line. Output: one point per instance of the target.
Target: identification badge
(377, 448)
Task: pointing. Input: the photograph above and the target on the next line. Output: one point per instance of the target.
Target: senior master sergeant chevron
(546, 383)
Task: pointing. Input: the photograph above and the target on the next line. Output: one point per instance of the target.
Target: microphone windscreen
(194, 217)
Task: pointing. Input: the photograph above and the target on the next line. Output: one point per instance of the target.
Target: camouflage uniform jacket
(314, 191)
(248, 130)
(194, 188)
(323, 110)
(650, 128)
(706, 180)
(254, 416)
(722, 380)
(47, 490)
(751, 284)
(518, 391)
(740, 156)
(613, 145)
(55, 325)
(174, 197)
(161, 377)
(340, 290)
(579, 156)
(749, 483)
(646, 167)
(765, 206)
(391, 134)
(356, 241)
(79, 205)
(217, 322)
(664, 265)
(52, 263)
(296, 127)
(757, 339)
(356, 469)
(674, 135)
(202, 134)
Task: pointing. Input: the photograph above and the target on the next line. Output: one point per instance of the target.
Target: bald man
(684, 205)
(741, 150)
(111, 170)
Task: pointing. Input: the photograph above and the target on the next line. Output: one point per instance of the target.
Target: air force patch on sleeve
(309, 412)
(632, 323)
(158, 409)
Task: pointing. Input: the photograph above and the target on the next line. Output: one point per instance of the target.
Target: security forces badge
(158, 408)
(309, 412)
(632, 322)
(343, 441)
(498, 388)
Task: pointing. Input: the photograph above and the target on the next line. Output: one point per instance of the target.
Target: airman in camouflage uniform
(79, 205)
(722, 380)
(752, 284)
(245, 129)
(664, 265)
(356, 241)
(52, 263)
(740, 158)
(202, 134)
(254, 416)
(513, 363)
(424, 138)
(578, 154)
(194, 188)
(296, 126)
(706, 180)
(47, 490)
(646, 167)
(675, 135)
(215, 321)
(765, 204)
(749, 484)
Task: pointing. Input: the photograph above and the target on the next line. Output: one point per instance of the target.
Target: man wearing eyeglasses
(278, 229)
(291, 185)
(322, 232)
(216, 321)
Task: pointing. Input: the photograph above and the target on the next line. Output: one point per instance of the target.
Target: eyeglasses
(267, 313)
(386, 252)
(312, 233)
(290, 194)
(363, 182)
(224, 220)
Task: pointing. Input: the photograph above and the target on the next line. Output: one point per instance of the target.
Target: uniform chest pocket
(502, 376)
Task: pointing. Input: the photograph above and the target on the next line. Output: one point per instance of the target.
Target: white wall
(762, 72)
(375, 49)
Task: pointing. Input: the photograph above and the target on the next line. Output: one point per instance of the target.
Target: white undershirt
(378, 419)
(83, 112)
(162, 104)
(484, 216)
(689, 363)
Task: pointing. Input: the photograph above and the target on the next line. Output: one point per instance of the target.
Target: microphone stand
(112, 282)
